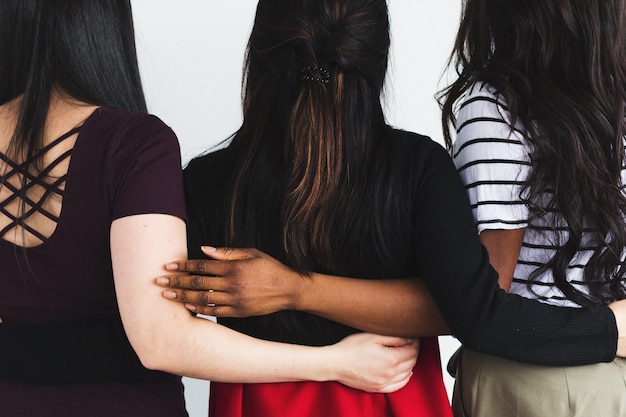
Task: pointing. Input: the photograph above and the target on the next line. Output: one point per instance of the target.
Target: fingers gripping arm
(166, 337)
(248, 282)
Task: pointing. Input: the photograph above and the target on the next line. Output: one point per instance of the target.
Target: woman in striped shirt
(539, 111)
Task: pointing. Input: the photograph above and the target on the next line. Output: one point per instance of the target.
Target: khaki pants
(488, 386)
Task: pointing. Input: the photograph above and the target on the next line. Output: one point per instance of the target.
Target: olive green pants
(488, 386)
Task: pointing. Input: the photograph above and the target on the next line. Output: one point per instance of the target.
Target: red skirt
(423, 396)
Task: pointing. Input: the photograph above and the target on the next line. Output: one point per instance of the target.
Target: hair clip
(315, 73)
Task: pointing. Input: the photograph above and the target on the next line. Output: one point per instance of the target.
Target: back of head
(314, 73)
(92, 54)
(290, 38)
(560, 65)
(560, 40)
(84, 49)
(522, 46)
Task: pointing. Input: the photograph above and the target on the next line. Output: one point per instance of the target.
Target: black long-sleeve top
(433, 236)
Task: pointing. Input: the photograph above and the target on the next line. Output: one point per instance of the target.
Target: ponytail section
(314, 73)
(316, 161)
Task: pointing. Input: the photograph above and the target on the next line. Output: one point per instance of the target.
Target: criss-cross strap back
(27, 196)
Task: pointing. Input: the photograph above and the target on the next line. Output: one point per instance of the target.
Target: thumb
(228, 254)
(391, 341)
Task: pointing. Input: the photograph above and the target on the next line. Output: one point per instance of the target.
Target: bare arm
(166, 337)
(503, 247)
(248, 282)
(401, 307)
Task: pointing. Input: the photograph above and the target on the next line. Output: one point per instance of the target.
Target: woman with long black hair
(538, 107)
(85, 228)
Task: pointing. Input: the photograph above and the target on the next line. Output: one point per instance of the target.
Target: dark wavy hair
(85, 48)
(561, 67)
(314, 73)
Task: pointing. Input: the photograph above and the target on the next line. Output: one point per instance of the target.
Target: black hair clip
(315, 73)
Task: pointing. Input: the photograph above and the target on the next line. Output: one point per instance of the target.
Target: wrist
(315, 363)
(301, 286)
(330, 364)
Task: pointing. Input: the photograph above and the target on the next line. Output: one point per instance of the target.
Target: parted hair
(313, 77)
(560, 65)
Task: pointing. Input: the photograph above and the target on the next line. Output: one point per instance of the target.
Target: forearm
(401, 307)
(247, 282)
(202, 349)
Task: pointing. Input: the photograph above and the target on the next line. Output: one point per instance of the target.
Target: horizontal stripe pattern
(494, 161)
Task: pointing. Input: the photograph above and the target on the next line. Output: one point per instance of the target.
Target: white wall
(191, 52)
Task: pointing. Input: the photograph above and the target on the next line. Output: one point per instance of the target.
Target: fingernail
(163, 281)
(169, 294)
(190, 307)
(171, 267)
(209, 249)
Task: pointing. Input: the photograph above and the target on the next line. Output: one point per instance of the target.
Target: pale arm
(248, 282)
(166, 337)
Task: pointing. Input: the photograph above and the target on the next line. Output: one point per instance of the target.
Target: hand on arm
(374, 363)
(248, 282)
(234, 283)
(166, 337)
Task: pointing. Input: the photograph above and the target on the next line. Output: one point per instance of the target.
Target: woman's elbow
(155, 347)
(152, 358)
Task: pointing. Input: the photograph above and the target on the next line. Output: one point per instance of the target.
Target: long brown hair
(313, 77)
(561, 68)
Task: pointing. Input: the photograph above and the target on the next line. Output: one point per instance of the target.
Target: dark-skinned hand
(233, 283)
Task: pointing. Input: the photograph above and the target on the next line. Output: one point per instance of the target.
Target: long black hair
(561, 68)
(84, 48)
(313, 77)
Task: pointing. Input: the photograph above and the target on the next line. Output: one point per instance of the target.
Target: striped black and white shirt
(494, 160)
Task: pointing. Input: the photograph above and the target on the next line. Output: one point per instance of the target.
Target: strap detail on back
(30, 206)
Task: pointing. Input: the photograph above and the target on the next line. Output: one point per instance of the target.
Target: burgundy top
(120, 165)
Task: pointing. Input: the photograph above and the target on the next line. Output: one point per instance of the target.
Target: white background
(191, 53)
